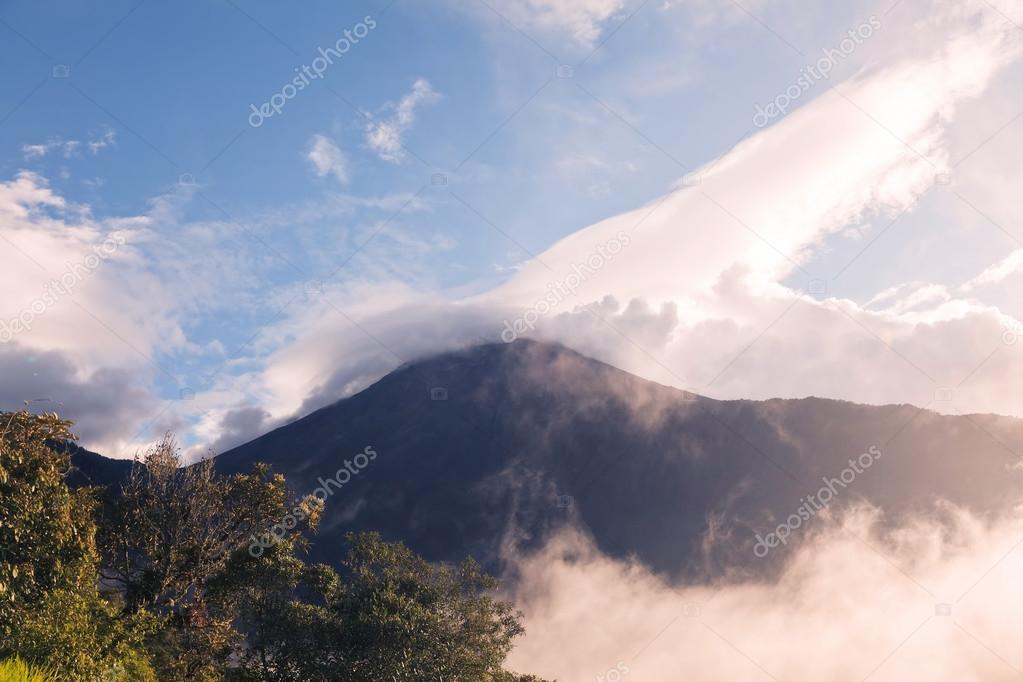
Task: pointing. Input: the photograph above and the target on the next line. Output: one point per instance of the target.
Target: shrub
(16, 670)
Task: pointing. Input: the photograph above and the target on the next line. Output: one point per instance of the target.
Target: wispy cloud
(68, 148)
(1003, 269)
(584, 20)
(328, 159)
(102, 142)
(700, 291)
(385, 137)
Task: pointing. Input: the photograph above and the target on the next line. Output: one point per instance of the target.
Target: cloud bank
(713, 292)
(934, 600)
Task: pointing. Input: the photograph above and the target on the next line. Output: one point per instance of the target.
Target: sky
(218, 216)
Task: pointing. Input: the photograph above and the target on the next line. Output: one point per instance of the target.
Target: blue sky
(441, 155)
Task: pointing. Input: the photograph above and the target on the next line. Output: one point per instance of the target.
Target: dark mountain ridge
(497, 446)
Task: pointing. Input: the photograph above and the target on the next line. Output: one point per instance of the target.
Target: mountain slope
(92, 469)
(530, 436)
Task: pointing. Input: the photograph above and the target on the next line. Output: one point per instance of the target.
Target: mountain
(497, 446)
(90, 468)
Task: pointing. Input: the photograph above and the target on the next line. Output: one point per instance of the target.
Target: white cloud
(697, 301)
(771, 200)
(584, 20)
(103, 141)
(385, 136)
(34, 151)
(92, 307)
(68, 148)
(1005, 268)
(327, 158)
(841, 610)
(77, 322)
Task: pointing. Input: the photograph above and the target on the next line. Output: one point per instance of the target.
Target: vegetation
(16, 670)
(157, 581)
(51, 609)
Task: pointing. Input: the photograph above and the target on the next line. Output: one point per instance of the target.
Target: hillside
(500, 444)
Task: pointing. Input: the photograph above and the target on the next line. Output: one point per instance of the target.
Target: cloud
(34, 151)
(78, 323)
(718, 248)
(712, 292)
(60, 265)
(68, 148)
(775, 197)
(102, 142)
(1003, 269)
(95, 308)
(584, 20)
(327, 158)
(385, 136)
(239, 426)
(854, 601)
(106, 404)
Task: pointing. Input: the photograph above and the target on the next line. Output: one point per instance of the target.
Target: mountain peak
(496, 446)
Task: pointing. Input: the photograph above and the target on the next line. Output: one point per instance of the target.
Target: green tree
(51, 610)
(394, 616)
(173, 530)
(178, 561)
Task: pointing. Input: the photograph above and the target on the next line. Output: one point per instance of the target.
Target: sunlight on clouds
(931, 599)
(101, 302)
(695, 301)
(49, 241)
(774, 197)
(1005, 268)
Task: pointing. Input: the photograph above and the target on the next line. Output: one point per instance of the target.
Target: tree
(291, 635)
(51, 610)
(182, 576)
(394, 616)
(170, 532)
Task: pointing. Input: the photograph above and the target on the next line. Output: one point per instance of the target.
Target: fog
(935, 599)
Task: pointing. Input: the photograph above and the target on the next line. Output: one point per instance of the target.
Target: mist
(935, 598)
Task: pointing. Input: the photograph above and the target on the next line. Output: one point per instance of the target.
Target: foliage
(50, 606)
(394, 616)
(185, 598)
(45, 528)
(408, 619)
(169, 533)
(16, 670)
(84, 637)
(292, 635)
